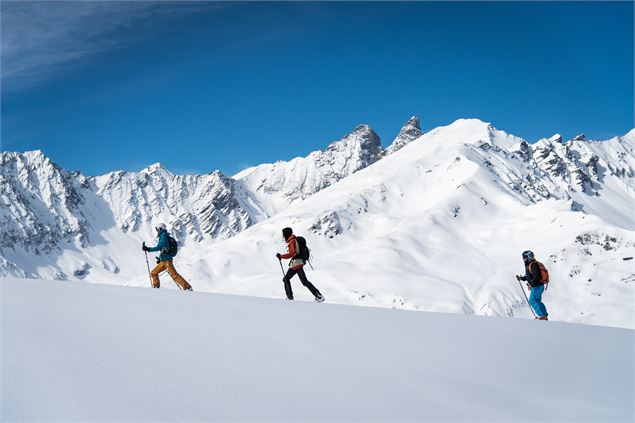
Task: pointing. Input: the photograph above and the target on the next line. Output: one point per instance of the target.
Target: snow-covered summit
(33, 154)
(278, 184)
(629, 136)
(467, 131)
(556, 138)
(157, 168)
(579, 137)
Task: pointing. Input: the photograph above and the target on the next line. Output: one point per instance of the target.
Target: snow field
(75, 351)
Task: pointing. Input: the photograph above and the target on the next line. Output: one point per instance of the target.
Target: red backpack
(544, 273)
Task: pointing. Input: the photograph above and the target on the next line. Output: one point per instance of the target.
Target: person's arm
(291, 252)
(163, 241)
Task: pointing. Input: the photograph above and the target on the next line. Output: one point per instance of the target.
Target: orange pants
(169, 266)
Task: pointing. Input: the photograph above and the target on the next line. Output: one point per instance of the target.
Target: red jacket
(293, 249)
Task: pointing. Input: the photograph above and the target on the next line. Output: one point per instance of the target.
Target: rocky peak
(408, 133)
(556, 138)
(278, 184)
(579, 137)
(360, 148)
(363, 137)
(577, 168)
(30, 161)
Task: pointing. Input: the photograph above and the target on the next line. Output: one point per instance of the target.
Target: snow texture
(79, 352)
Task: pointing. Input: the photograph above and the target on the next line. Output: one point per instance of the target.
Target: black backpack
(305, 252)
(173, 246)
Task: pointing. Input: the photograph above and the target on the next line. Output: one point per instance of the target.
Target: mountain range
(435, 221)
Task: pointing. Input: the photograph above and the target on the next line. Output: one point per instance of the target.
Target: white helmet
(160, 226)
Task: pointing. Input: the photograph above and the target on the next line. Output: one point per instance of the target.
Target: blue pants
(535, 299)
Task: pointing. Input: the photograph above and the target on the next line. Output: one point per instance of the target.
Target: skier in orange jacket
(296, 266)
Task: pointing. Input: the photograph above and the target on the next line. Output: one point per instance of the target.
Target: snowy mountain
(49, 210)
(196, 206)
(279, 184)
(157, 355)
(42, 204)
(437, 224)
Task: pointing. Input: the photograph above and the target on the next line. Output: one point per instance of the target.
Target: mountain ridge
(399, 211)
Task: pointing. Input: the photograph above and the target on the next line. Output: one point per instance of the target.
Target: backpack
(173, 246)
(305, 252)
(544, 273)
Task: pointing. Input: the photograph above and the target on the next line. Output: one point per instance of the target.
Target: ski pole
(281, 268)
(526, 299)
(148, 265)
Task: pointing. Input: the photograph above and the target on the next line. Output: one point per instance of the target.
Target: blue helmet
(528, 255)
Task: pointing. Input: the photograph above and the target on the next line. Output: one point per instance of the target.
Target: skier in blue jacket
(164, 261)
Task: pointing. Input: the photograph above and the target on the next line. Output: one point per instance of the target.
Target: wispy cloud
(41, 39)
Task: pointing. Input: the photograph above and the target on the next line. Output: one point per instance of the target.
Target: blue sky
(204, 86)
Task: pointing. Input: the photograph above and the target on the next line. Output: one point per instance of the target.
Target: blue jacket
(162, 246)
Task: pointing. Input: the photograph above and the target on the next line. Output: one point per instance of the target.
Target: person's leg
(543, 308)
(169, 265)
(160, 267)
(287, 283)
(535, 299)
(308, 284)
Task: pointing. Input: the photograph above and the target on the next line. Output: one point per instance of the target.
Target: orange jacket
(293, 249)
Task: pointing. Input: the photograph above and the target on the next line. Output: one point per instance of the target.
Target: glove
(144, 248)
(529, 287)
(517, 278)
(279, 256)
(157, 259)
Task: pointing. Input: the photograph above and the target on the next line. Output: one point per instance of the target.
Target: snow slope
(73, 351)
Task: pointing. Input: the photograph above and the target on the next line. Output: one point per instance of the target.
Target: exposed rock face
(408, 133)
(194, 206)
(42, 204)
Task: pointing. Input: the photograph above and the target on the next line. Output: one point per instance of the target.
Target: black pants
(287, 283)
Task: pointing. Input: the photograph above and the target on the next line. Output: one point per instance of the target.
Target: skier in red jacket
(296, 266)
